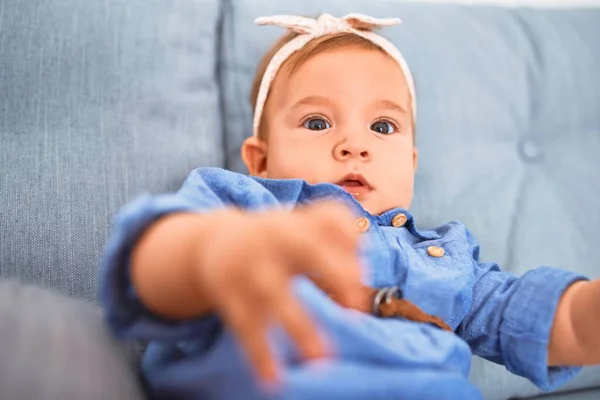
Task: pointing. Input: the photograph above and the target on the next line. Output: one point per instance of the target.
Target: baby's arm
(574, 339)
(511, 319)
(223, 245)
(164, 258)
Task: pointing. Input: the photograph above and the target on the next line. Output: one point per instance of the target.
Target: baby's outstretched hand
(250, 264)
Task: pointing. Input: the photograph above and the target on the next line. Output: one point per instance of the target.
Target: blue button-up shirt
(495, 315)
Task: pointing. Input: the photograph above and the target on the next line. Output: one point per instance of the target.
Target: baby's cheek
(278, 162)
(400, 188)
(283, 165)
(299, 164)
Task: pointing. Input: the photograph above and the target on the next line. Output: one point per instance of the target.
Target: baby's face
(344, 116)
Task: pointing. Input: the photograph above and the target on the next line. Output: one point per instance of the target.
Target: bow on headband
(326, 23)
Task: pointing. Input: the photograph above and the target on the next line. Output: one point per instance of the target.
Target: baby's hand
(250, 263)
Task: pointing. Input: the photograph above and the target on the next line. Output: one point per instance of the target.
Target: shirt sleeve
(511, 318)
(204, 190)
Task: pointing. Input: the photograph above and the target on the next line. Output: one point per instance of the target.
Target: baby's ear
(254, 153)
(415, 159)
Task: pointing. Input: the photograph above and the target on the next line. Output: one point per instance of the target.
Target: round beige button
(435, 251)
(399, 220)
(362, 224)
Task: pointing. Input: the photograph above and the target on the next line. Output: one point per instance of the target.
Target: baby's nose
(351, 152)
(351, 149)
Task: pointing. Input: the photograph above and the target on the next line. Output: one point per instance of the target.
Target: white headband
(309, 29)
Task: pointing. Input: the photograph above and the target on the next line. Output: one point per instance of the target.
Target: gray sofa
(103, 101)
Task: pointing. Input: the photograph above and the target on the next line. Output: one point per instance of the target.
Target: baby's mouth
(356, 189)
(356, 185)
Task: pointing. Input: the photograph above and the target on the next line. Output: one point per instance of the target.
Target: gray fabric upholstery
(592, 394)
(100, 101)
(57, 348)
(498, 384)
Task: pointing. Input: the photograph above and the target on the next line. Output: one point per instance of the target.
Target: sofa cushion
(56, 347)
(508, 127)
(101, 100)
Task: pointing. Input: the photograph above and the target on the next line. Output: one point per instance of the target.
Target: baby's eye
(383, 127)
(316, 124)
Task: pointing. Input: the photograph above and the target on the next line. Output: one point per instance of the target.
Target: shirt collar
(298, 192)
(385, 219)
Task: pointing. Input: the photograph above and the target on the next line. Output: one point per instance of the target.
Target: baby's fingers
(271, 285)
(335, 267)
(250, 328)
(299, 326)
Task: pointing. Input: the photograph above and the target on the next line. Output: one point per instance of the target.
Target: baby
(220, 277)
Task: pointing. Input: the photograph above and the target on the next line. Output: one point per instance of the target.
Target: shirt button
(435, 251)
(362, 224)
(399, 220)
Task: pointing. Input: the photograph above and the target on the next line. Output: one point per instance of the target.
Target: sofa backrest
(100, 101)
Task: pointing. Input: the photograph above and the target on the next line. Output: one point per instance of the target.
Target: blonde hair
(312, 48)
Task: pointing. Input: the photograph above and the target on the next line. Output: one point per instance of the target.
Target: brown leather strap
(393, 307)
